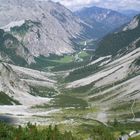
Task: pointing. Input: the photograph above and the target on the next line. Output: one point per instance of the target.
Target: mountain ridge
(117, 41)
(103, 20)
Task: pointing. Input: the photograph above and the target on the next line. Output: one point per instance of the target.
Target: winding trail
(133, 110)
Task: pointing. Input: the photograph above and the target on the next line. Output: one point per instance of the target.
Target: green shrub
(32, 132)
(6, 100)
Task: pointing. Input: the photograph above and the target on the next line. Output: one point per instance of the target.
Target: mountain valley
(55, 69)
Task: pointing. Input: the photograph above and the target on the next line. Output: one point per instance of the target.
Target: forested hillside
(112, 43)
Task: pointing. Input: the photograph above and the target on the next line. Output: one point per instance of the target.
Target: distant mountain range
(103, 20)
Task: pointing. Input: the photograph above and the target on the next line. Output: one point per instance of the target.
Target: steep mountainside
(13, 51)
(103, 20)
(122, 41)
(111, 82)
(18, 84)
(112, 85)
(43, 27)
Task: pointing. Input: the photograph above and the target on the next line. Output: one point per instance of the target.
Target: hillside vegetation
(114, 42)
(33, 132)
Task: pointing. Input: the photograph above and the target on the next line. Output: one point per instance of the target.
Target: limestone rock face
(43, 27)
(11, 84)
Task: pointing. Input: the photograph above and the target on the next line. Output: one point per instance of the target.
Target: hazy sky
(113, 4)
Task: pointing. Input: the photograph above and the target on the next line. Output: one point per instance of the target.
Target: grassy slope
(43, 91)
(64, 101)
(136, 138)
(82, 72)
(60, 63)
(6, 100)
(114, 42)
(64, 59)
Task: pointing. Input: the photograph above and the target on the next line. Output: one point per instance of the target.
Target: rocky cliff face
(13, 51)
(16, 85)
(43, 27)
(11, 84)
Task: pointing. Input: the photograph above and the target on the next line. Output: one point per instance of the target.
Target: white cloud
(114, 4)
